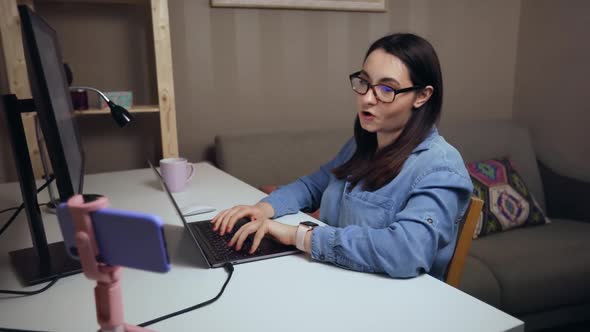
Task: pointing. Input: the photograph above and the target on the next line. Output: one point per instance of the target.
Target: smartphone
(124, 238)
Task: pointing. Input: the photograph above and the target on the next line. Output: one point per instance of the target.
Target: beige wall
(552, 80)
(248, 70)
(252, 70)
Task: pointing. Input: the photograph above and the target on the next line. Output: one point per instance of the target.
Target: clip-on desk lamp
(119, 113)
(107, 293)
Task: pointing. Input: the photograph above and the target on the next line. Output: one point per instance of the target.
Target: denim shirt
(407, 227)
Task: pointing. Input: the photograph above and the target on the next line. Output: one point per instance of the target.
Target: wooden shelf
(15, 65)
(134, 109)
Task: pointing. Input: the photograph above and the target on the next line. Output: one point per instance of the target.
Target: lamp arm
(120, 114)
(91, 89)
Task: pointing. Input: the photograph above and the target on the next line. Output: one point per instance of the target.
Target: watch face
(309, 223)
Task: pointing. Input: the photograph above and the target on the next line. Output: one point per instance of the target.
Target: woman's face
(386, 119)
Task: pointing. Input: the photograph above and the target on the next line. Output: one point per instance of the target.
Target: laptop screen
(161, 179)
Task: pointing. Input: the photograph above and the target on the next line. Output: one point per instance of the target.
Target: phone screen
(124, 238)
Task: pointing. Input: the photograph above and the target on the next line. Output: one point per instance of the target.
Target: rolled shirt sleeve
(409, 244)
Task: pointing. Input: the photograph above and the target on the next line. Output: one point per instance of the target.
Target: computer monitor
(51, 101)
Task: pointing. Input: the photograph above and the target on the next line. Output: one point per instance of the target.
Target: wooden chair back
(464, 240)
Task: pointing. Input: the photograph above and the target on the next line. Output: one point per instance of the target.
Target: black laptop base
(218, 252)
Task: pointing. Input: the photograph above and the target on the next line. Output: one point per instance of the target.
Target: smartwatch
(302, 229)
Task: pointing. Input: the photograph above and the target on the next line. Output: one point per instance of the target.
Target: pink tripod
(107, 293)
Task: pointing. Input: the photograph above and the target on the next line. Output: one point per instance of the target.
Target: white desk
(267, 295)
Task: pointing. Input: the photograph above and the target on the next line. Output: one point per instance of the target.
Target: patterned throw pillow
(507, 201)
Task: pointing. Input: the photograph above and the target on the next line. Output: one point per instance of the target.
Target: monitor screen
(53, 103)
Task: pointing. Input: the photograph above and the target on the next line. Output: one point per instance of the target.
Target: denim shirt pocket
(366, 208)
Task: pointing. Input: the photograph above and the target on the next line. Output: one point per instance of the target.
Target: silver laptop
(214, 246)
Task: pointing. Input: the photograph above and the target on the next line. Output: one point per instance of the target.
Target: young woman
(393, 197)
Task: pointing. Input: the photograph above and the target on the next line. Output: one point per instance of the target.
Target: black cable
(12, 218)
(3, 229)
(29, 293)
(6, 210)
(230, 270)
(14, 215)
(22, 206)
(16, 208)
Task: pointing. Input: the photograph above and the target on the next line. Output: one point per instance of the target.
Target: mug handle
(192, 171)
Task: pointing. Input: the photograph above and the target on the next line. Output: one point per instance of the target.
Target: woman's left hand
(282, 233)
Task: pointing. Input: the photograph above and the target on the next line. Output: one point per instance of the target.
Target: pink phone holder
(107, 293)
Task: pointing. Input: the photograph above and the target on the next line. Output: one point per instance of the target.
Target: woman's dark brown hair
(377, 168)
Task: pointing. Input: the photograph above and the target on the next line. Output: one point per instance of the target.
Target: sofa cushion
(538, 268)
(277, 157)
(508, 203)
(479, 281)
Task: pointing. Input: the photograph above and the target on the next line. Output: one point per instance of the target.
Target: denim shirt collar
(425, 145)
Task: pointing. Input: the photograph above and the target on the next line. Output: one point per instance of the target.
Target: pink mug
(176, 173)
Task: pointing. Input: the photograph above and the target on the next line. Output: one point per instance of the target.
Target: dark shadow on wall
(210, 155)
(565, 198)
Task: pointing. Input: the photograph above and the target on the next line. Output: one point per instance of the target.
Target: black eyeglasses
(383, 93)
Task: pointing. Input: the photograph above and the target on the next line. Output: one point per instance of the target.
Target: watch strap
(300, 236)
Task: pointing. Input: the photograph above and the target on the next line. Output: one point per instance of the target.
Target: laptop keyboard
(221, 251)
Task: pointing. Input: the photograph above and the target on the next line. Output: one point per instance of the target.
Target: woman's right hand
(225, 220)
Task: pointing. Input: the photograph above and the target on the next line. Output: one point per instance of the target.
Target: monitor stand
(43, 262)
(32, 269)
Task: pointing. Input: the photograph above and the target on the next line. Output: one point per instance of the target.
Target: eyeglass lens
(383, 92)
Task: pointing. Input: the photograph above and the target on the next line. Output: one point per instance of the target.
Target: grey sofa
(539, 274)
